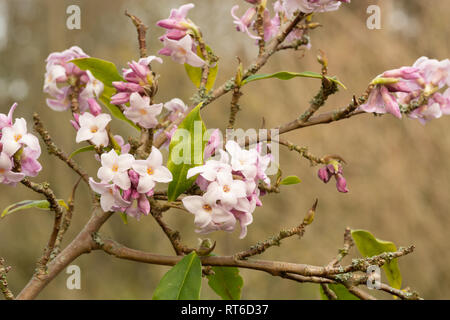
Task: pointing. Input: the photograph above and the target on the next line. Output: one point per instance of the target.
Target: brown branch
(327, 89)
(141, 31)
(328, 292)
(7, 293)
(54, 206)
(234, 108)
(348, 243)
(83, 243)
(303, 151)
(172, 235)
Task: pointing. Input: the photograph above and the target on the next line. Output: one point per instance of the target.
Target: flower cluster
(333, 169)
(284, 12)
(419, 86)
(230, 187)
(139, 78)
(178, 42)
(125, 183)
(62, 77)
(17, 145)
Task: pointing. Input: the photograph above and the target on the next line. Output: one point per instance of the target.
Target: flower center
(2, 171)
(182, 51)
(150, 171)
(110, 191)
(115, 168)
(94, 129)
(143, 112)
(207, 207)
(226, 188)
(17, 137)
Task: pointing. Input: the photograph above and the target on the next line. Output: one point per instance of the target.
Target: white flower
(208, 216)
(93, 128)
(13, 138)
(151, 171)
(181, 51)
(211, 168)
(141, 112)
(225, 189)
(110, 195)
(175, 105)
(6, 175)
(115, 168)
(243, 160)
(54, 74)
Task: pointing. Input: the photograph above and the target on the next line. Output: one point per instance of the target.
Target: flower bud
(94, 107)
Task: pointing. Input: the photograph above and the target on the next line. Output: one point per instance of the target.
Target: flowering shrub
(219, 180)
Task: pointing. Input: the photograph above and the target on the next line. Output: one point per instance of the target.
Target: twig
(348, 243)
(327, 89)
(328, 292)
(303, 151)
(141, 31)
(65, 224)
(54, 206)
(4, 282)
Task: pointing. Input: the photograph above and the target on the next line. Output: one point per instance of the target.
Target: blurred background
(398, 172)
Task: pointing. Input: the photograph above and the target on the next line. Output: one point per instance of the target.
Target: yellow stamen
(226, 188)
(115, 168)
(17, 137)
(207, 207)
(150, 171)
(94, 129)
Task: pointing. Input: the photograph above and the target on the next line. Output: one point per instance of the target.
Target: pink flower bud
(341, 183)
(324, 175)
(75, 125)
(134, 178)
(144, 204)
(94, 107)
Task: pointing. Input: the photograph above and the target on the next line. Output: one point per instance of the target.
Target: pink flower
(7, 176)
(16, 136)
(209, 217)
(114, 169)
(309, 6)
(245, 22)
(28, 162)
(93, 128)
(176, 107)
(330, 170)
(7, 120)
(271, 26)
(110, 196)
(243, 160)
(142, 112)
(226, 190)
(177, 24)
(151, 171)
(181, 51)
(214, 143)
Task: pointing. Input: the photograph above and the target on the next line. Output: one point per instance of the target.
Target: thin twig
(7, 293)
(141, 31)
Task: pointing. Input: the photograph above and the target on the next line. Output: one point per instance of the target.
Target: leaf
(102, 70)
(340, 290)
(195, 73)
(29, 204)
(226, 282)
(124, 217)
(370, 246)
(81, 150)
(290, 180)
(189, 140)
(285, 75)
(182, 282)
(106, 72)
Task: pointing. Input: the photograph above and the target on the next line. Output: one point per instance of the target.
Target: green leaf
(106, 72)
(340, 290)
(185, 152)
(290, 180)
(195, 74)
(285, 75)
(29, 204)
(102, 70)
(182, 282)
(370, 246)
(81, 150)
(226, 282)
(124, 217)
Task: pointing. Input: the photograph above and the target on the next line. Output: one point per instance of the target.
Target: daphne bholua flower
(333, 170)
(151, 171)
(142, 112)
(110, 197)
(115, 169)
(93, 128)
(181, 51)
